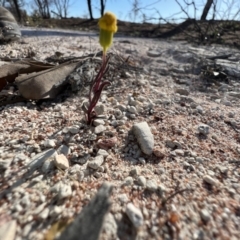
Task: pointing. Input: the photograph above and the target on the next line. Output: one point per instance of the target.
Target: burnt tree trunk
(178, 29)
(206, 9)
(103, 4)
(90, 9)
(17, 7)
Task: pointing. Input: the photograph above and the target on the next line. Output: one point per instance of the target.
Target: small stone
(199, 159)
(193, 105)
(205, 215)
(132, 161)
(61, 162)
(141, 181)
(227, 103)
(132, 116)
(44, 214)
(118, 114)
(234, 94)
(26, 230)
(49, 143)
(101, 169)
(97, 174)
(210, 173)
(187, 99)
(190, 159)
(99, 129)
(63, 190)
(65, 130)
(133, 172)
(80, 175)
(199, 109)
(152, 53)
(231, 114)
(135, 215)
(182, 91)
(107, 143)
(18, 208)
(4, 164)
(173, 144)
(25, 201)
(55, 211)
(232, 192)
(158, 152)
(20, 158)
(188, 166)
(99, 109)
(151, 185)
(179, 152)
(47, 166)
(223, 170)
(73, 129)
(82, 159)
(40, 158)
(128, 181)
(142, 160)
(42, 198)
(210, 180)
(160, 171)
(238, 148)
(203, 129)
(63, 149)
(122, 107)
(161, 189)
(102, 152)
(97, 122)
(132, 109)
(96, 162)
(144, 137)
(13, 142)
(123, 198)
(8, 230)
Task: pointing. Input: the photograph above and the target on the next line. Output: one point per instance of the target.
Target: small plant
(108, 26)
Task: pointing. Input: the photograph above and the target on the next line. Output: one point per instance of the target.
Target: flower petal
(108, 22)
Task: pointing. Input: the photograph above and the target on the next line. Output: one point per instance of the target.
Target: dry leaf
(45, 84)
(9, 71)
(34, 66)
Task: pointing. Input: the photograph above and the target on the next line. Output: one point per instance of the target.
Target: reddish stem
(97, 88)
(95, 100)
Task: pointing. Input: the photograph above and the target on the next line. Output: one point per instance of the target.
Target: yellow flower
(108, 26)
(108, 22)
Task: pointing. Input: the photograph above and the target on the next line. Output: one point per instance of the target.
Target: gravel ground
(184, 185)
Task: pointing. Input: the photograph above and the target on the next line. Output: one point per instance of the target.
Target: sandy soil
(188, 188)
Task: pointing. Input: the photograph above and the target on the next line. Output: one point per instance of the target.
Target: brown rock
(158, 152)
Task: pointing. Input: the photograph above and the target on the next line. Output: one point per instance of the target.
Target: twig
(174, 194)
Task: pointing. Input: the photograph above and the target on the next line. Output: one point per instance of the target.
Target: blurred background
(138, 11)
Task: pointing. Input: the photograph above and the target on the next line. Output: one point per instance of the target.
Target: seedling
(108, 26)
